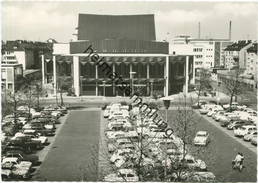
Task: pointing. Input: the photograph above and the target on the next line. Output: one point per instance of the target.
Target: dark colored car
(43, 131)
(34, 159)
(10, 147)
(26, 142)
(237, 124)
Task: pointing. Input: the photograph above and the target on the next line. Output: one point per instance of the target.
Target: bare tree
(204, 83)
(233, 85)
(63, 85)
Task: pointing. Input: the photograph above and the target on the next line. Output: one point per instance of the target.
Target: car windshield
(201, 135)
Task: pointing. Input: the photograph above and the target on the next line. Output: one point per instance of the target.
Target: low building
(24, 52)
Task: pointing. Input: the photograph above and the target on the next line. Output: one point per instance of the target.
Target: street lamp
(104, 88)
(131, 76)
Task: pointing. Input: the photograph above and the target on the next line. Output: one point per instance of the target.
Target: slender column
(114, 86)
(193, 79)
(54, 74)
(148, 77)
(148, 70)
(96, 76)
(76, 79)
(167, 75)
(43, 69)
(186, 74)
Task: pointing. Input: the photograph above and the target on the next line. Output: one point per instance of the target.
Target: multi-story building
(11, 77)
(236, 54)
(128, 46)
(212, 51)
(208, 53)
(252, 60)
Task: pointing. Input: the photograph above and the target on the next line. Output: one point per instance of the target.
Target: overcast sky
(43, 20)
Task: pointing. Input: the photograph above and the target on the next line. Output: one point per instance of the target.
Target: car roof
(125, 171)
(202, 132)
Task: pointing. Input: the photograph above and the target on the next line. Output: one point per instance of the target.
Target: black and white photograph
(129, 91)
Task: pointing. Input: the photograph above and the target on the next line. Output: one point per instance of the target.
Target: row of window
(198, 56)
(197, 49)
(209, 49)
(9, 57)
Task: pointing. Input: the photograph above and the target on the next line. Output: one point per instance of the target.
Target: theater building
(128, 45)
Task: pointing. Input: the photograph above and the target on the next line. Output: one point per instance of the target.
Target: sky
(38, 21)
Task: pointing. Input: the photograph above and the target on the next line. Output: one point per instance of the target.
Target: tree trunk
(61, 97)
(199, 93)
(231, 100)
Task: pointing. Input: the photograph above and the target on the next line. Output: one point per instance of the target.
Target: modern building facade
(127, 43)
(208, 53)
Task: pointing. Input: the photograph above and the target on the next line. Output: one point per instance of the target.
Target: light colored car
(19, 168)
(114, 134)
(195, 176)
(243, 130)
(193, 163)
(201, 138)
(120, 154)
(233, 105)
(107, 112)
(122, 175)
(203, 111)
(254, 140)
(250, 135)
(31, 133)
(224, 121)
(218, 115)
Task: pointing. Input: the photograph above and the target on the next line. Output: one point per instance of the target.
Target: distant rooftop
(237, 46)
(130, 27)
(21, 45)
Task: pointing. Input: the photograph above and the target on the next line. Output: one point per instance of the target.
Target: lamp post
(151, 93)
(131, 76)
(166, 103)
(104, 88)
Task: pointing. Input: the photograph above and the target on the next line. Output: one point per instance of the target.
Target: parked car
(235, 124)
(122, 175)
(198, 106)
(243, 130)
(34, 159)
(190, 162)
(250, 135)
(194, 177)
(26, 142)
(218, 115)
(224, 121)
(201, 138)
(20, 169)
(254, 140)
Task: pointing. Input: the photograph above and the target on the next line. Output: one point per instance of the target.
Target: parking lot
(224, 150)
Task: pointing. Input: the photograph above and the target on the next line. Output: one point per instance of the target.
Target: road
(74, 153)
(220, 152)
